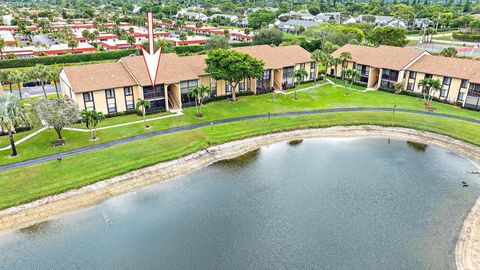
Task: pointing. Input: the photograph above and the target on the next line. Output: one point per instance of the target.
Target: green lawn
(324, 97)
(32, 182)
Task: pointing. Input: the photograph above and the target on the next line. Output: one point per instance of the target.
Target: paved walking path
(218, 122)
(177, 113)
(24, 138)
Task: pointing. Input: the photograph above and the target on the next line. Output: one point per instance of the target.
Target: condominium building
(385, 66)
(115, 87)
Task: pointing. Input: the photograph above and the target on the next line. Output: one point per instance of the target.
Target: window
(447, 80)
(461, 96)
(474, 90)
(88, 96)
(287, 75)
(111, 102)
(412, 75)
(443, 93)
(390, 75)
(129, 100)
(128, 91)
(464, 84)
(213, 86)
(228, 88)
(428, 76)
(88, 102)
(184, 87)
(312, 70)
(241, 87)
(110, 93)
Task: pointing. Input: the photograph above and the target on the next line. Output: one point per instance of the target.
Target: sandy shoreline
(467, 252)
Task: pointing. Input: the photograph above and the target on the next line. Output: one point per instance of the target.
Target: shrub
(68, 58)
(120, 113)
(189, 49)
(466, 36)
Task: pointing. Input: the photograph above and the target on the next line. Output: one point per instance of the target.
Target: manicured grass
(325, 97)
(123, 119)
(26, 184)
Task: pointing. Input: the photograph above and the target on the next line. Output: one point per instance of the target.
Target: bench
(60, 142)
(429, 108)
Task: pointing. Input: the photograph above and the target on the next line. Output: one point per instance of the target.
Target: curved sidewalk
(216, 122)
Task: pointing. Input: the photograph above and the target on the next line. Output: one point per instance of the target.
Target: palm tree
(199, 93)
(335, 62)
(299, 75)
(19, 77)
(72, 43)
(91, 118)
(354, 75)
(144, 105)
(10, 79)
(53, 76)
(345, 56)
(12, 113)
(345, 73)
(429, 87)
(449, 52)
(2, 46)
(40, 72)
(317, 56)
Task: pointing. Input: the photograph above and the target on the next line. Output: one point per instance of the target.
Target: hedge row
(466, 36)
(189, 49)
(419, 95)
(68, 58)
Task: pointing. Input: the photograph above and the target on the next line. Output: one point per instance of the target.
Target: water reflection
(241, 160)
(420, 147)
(295, 142)
(37, 229)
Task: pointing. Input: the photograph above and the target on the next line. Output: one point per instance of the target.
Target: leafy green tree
(255, 19)
(12, 113)
(314, 10)
(232, 67)
(217, 42)
(388, 35)
(199, 93)
(40, 73)
(57, 113)
(183, 36)
(354, 75)
(92, 118)
(268, 36)
(299, 76)
(131, 40)
(449, 52)
(143, 105)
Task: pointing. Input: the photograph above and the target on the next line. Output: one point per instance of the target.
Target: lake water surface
(364, 203)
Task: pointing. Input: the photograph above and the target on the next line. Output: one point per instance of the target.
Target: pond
(331, 203)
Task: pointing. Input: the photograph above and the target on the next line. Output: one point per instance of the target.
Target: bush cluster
(68, 58)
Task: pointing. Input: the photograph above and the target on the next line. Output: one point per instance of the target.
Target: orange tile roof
(396, 58)
(98, 76)
(277, 57)
(448, 66)
(172, 69)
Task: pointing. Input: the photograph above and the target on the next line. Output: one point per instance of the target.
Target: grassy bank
(26, 184)
(325, 97)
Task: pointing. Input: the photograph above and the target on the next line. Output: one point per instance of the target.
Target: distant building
(193, 16)
(232, 18)
(7, 19)
(293, 25)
